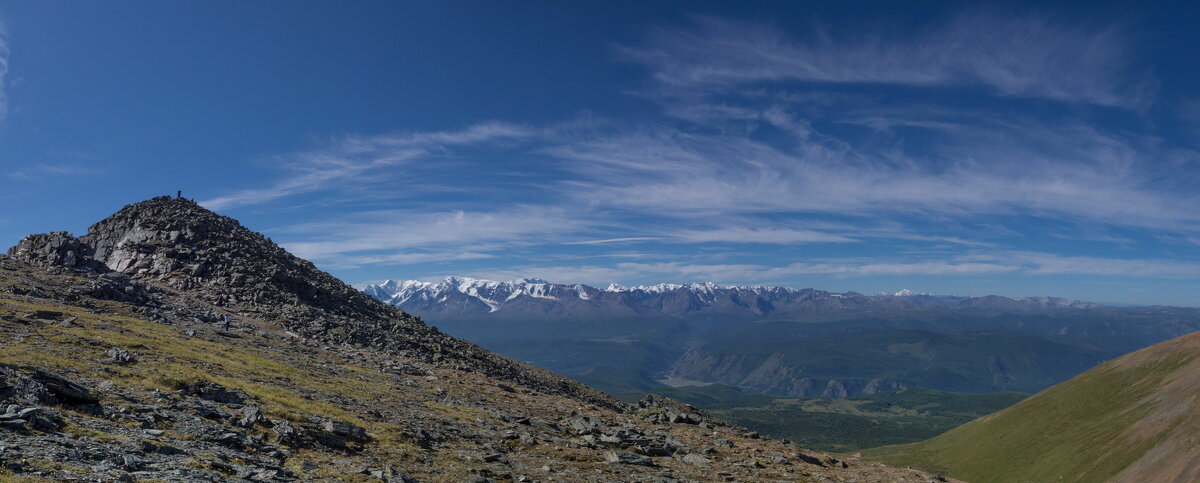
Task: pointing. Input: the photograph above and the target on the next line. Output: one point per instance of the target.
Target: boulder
(287, 435)
(36, 386)
(346, 430)
(212, 391)
(35, 418)
(661, 410)
(627, 458)
(580, 425)
(120, 356)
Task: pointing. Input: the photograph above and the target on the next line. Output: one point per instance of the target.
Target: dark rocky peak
(181, 244)
(178, 244)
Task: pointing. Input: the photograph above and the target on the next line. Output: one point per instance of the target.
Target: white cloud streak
(42, 171)
(1021, 56)
(763, 235)
(1085, 175)
(356, 160)
(400, 237)
(1052, 264)
(5, 54)
(615, 240)
(1001, 263)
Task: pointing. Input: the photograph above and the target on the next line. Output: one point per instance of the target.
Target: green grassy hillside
(1131, 419)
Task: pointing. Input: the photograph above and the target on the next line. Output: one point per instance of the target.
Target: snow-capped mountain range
(462, 297)
(786, 341)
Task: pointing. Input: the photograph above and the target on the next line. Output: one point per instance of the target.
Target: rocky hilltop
(115, 368)
(176, 244)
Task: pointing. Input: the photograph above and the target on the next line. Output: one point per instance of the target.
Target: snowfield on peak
(491, 293)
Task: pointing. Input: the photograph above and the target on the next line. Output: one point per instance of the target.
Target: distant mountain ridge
(785, 341)
(468, 297)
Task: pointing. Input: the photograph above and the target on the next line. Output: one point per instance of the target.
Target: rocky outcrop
(879, 386)
(31, 385)
(55, 249)
(175, 244)
(660, 410)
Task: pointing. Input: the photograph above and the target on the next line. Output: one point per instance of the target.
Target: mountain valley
(773, 358)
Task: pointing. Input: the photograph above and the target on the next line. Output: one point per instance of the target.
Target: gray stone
(250, 416)
(120, 356)
(346, 430)
(628, 458)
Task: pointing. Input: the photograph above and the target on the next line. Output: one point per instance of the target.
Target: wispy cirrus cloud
(402, 237)
(1066, 172)
(742, 234)
(1001, 263)
(717, 188)
(627, 271)
(358, 160)
(605, 241)
(1029, 55)
(42, 171)
(5, 54)
(684, 272)
(1056, 264)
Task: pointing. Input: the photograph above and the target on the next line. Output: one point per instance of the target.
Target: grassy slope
(1089, 428)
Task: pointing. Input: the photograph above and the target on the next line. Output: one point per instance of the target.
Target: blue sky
(1009, 149)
